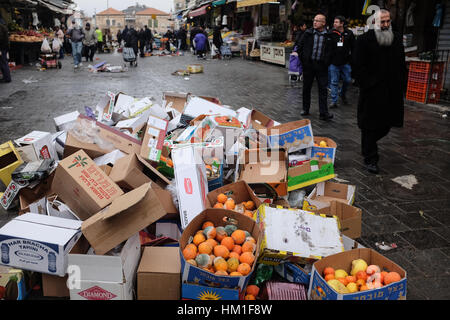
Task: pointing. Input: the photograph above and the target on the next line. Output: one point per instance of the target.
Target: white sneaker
(75, 66)
(81, 64)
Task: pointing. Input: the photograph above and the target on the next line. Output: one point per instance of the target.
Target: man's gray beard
(385, 38)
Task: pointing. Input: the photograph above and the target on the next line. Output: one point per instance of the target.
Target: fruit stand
(276, 52)
(25, 46)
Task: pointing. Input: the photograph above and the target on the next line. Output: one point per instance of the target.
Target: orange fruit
(235, 274)
(329, 277)
(199, 231)
(253, 290)
(220, 264)
(210, 232)
(350, 279)
(221, 233)
(199, 238)
(249, 297)
(391, 277)
(203, 260)
(237, 248)
(218, 205)
(382, 275)
(222, 198)
(228, 242)
(189, 253)
(221, 273)
(233, 264)
(207, 224)
(328, 270)
(247, 257)
(343, 281)
(192, 261)
(238, 236)
(230, 204)
(221, 251)
(211, 242)
(361, 275)
(363, 288)
(205, 247)
(360, 282)
(249, 205)
(248, 247)
(234, 255)
(251, 239)
(244, 269)
(248, 214)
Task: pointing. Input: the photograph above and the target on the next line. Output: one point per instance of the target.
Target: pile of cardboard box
(107, 203)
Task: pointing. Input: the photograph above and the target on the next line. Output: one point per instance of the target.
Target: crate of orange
(218, 250)
(358, 274)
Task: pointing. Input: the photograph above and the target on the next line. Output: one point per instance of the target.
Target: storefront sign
(273, 54)
(247, 3)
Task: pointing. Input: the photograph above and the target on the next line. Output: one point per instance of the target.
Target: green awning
(219, 3)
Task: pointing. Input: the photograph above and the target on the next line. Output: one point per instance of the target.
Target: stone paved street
(417, 220)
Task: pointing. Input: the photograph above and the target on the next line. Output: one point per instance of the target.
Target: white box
(191, 182)
(109, 158)
(62, 122)
(38, 243)
(38, 145)
(106, 277)
(327, 191)
(197, 106)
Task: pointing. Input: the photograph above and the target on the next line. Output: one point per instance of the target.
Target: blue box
(327, 154)
(293, 273)
(216, 183)
(197, 292)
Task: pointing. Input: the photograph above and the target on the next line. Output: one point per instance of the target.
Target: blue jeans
(76, 52)
(336, 73)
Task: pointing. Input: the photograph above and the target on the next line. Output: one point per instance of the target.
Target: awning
(219, 3)
(57, 6)
(248, 3)
(198, 12)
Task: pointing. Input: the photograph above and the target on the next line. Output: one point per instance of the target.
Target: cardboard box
(158, 274)
(9, 161)
(83, 186)
(259, 120)
(198, 276)
(320, 290)
(197, 292)
(327, 154)
(62, 123)
(296, 235)
(349, 217)
(109, 159)
(308, 173)
(37, 145)
(110, 137)
(39, 243)
(132, 171)
(14, 284)
(107, 277)
(261, 166)
(191, 182)
(291, 136)
(293, 272)
(239, 191)
(328, 191)
(197, 106)
(175, 100)
(153, 141)
(125, 216)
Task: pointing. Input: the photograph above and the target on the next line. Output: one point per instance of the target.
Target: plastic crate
(415, 96)
(417, 86)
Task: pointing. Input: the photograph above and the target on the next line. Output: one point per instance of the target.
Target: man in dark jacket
(142, 41)
(301, 28)
(4, 48)
(181, 38)
(342, 49)
(217, 38)
(148, 36)
(131, 40)
(315, 54)
(76, 35)
(380, 69)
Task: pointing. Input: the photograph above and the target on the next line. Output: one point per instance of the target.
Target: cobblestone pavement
(416, 220)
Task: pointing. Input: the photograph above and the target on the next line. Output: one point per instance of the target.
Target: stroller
(295, 68)
(225, 51)
(129, 56)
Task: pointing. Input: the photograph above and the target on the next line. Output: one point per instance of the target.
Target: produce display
(222, 250)
(361, 277)
(28, 36)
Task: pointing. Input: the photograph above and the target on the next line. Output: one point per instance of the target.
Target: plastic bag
(46, 46)
(56, 45)
(296, 198)
(88, 132)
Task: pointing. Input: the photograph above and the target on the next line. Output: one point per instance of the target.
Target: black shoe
(4, 81)
(334, 106)
(305, 113)
(326, 117)
(372, 168)
(344, 100)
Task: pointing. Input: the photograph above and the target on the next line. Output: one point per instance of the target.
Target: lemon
(340, 273)
(352, 287)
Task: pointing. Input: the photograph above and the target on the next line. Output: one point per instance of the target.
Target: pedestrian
(99, 39)
(119, 37)
(314, 51)
(195, 29)
(89, 43)
(4, 51)
(217, 39)
(200, 41)
(131, 40)
(169, 37)
(181, 38)
(148, 36)
(76, 36)
(60, 35)
(340, 67)
(67, 44)
(300, 30)
(141, 38)
(124, 33)
(380, 69)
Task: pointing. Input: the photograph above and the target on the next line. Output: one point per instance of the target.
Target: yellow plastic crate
(9, 161)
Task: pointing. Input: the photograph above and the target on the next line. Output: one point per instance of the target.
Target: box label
(196, 292)
(293, 140)
(96, 293)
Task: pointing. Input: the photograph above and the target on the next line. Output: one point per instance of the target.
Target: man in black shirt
(342, 49)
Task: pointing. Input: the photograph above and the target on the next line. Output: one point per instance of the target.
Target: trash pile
(187, 199)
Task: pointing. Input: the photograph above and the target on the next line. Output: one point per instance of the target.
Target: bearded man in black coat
(380, 69)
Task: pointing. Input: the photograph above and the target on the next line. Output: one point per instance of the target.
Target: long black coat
(381, 74)
(306, 46)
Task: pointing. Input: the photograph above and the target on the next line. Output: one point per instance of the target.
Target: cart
(225, 51)
(50, 60)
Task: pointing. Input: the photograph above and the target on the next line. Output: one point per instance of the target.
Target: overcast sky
(92, 6)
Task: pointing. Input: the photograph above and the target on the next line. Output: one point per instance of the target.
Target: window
(155, 23)
(149, 23)
(114, 22)
(108, 22)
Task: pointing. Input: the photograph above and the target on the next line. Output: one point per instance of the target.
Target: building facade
(110, 19)
(154, 19)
